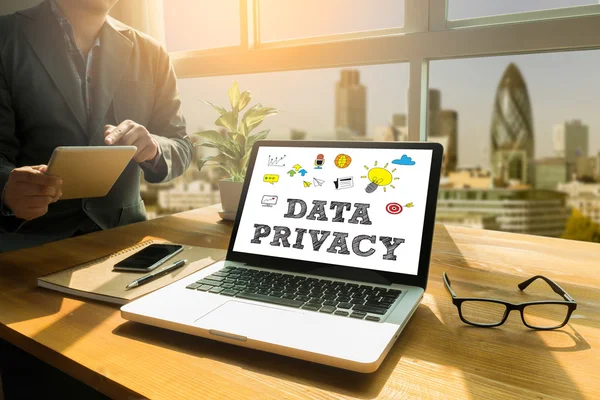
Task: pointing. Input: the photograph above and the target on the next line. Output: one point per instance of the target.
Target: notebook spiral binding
(104, 258)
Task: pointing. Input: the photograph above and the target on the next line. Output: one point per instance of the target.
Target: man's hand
(128, 133)
(29, 191)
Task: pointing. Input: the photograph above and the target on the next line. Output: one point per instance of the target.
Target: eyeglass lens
(483, 312)
(545, 315)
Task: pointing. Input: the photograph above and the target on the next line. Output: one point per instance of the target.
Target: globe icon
(342, 160)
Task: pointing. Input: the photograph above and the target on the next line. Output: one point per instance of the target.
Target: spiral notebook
(96, 279)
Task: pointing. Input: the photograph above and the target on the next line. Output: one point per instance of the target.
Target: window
(464, 9)
(293, 19)
(513, 104)
(201, 24)
(507, 110)
(308, 102)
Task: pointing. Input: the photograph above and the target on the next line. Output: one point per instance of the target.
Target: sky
(562, 86)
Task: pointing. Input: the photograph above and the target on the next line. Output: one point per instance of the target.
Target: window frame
(523, 17)
(427, 35)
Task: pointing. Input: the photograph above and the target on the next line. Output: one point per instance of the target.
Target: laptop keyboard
(313, 294)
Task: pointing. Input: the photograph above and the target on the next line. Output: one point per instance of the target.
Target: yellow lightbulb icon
(378, 177)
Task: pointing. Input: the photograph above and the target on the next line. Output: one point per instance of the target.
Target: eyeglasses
(487, 313)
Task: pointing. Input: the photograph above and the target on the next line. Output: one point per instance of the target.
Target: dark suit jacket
(41, 107)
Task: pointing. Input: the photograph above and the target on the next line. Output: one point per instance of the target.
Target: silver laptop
(328, 258)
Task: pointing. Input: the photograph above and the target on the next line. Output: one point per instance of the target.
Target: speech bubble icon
(271, 178)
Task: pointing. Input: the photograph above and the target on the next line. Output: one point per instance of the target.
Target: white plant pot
(230, 197)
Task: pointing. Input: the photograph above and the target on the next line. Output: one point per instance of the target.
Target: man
(70, 75)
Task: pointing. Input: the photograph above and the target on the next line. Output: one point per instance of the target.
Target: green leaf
(227, 120)
(230, 150)
(234, 96)
(241, 141)
(221, 159)
(255, 138)
(205, 144)
(243, 129)
(228, 134)
(251, 111)
(212, 136)
(244, 100)
(200, 163)
(230, 153)
(219, 109)
(219, 142)
(255, 115)
(238, 178)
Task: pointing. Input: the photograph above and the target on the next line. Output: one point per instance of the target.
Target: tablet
(89, 171)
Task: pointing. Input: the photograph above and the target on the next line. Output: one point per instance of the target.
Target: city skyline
(470, 94)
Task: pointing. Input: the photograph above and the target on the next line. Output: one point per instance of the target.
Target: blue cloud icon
(404, 160)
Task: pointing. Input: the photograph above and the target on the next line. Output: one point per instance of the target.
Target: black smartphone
(148, 258)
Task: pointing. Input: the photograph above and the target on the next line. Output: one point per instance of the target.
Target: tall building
(449, 128)
(531, 211)
(399, 120)
(552, 171)
(442, 127)
(512, 145)
(393, 133)
(588, 167)
(444, 141)
(297, 134)
(434, 107)
(571, 140)
(351, 103)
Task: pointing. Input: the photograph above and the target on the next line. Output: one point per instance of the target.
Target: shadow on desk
(349, 383)
(512, 353)
(414, 345)
(16, 296)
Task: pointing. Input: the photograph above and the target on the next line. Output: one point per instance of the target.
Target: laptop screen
(353, 207)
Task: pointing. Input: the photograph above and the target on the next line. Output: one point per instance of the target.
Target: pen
(156, 274)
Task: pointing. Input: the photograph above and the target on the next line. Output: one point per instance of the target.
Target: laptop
(328, 258)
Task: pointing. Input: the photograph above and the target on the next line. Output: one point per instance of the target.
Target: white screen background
(411, 187)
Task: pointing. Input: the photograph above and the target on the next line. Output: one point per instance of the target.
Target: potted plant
(233, 143)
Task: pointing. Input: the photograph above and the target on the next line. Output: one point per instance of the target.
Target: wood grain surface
(437, 356)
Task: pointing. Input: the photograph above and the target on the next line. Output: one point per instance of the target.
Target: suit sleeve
(168, 127)
(9, 144)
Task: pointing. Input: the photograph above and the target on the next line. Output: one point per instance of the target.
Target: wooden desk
(436, 356)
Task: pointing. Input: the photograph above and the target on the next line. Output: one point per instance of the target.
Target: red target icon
(393, 208)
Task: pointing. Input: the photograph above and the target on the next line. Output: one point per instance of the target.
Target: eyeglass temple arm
(557, 289)
(447, 285)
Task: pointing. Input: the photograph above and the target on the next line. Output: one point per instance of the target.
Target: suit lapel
(113, 60)
(47, 39)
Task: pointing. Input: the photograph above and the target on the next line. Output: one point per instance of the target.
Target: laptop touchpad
(249, 320)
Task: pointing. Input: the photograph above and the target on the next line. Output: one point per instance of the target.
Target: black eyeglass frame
(569, 302)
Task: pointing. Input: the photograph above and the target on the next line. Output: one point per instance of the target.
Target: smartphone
(148, 258)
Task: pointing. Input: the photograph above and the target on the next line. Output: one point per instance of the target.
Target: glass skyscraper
(351, 103)
(512, 151)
